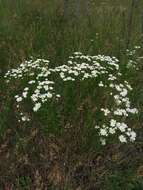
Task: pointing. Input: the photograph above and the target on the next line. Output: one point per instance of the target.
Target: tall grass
(39, 28)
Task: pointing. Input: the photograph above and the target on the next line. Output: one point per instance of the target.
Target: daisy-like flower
(19, 99)
(37, 107)
(122, 139)
(103, 132)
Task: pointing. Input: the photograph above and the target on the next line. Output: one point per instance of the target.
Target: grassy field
(59, 148)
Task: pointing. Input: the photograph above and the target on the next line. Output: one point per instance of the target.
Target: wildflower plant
(134, 59)
(65, 89)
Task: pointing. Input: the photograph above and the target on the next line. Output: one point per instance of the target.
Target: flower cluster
(134, 58)
(38, 87)
(104, 70)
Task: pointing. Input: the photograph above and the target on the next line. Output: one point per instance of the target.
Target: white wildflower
(37, 107)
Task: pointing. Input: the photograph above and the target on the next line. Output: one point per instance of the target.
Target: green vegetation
(59, 148)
